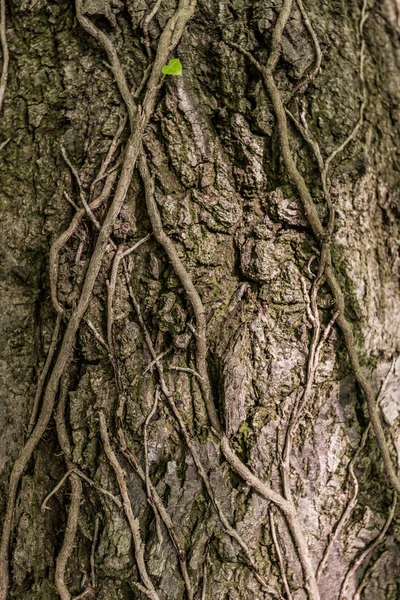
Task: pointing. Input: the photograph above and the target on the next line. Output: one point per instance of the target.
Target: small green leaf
(174, 67)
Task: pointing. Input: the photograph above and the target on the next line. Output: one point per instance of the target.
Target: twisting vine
(51, 381)
(153, 497)
(149, 588)
(285, 504)
(76, 495)
(139, 118)
(353, 499)
(322, 235)
(191, 444)
(367, 551)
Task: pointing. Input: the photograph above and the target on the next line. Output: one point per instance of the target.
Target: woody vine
(109, 189)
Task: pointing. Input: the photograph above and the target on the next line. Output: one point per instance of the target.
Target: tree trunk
(200, 321)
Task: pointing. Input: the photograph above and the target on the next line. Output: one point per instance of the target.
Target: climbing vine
(129, 155)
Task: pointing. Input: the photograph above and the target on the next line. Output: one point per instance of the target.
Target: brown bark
(212, 395)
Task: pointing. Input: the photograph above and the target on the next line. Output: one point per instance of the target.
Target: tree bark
(200, 325)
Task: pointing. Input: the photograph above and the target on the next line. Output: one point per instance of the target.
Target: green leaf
(174, 67)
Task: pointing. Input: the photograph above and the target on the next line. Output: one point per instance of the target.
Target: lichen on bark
(233, 219)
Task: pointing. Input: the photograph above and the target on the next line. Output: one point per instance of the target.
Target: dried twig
(316, 345)
(70, 201)
(304, 130)
(152, 496)
(98, 487)
(204, 584)
(154, 362)
(111, 283)
(113, 58)
(146, 463)
(347, 511)
(79, 252)
(195, 300)
(145, 441)
(102, 173)
(59, 485)
(74, 469)
(119, 255)
(87, 594)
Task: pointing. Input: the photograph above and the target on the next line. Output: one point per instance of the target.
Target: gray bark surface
(233, 216)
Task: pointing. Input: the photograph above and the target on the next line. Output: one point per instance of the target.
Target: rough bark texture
(181, 521)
